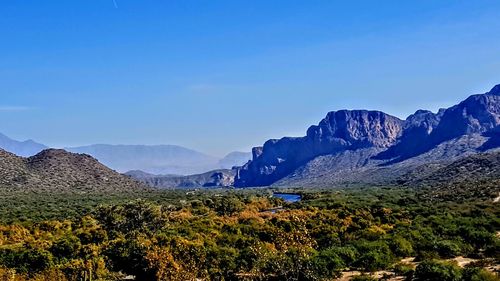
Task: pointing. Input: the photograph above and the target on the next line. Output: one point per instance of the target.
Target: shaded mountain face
(423, 136)
(338, 131)
(57, 170)
(155, 159)
(20, 148)
(416, 130)
(478, 114)
(493, 141)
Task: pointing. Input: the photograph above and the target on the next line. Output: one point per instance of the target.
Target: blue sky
(219, 76)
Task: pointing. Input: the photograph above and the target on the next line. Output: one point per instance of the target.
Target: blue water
(288, 197)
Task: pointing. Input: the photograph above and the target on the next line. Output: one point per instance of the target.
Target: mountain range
(159, 159)
(154, 159)
(371, 147)
(20, 148)
(457, 146)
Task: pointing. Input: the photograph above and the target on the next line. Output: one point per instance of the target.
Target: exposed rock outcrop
(478, 114)
(425, 136)
(338, 131)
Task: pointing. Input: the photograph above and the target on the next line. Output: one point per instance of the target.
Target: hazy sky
(219, 76)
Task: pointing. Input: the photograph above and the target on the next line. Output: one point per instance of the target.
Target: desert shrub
(432, 270)
(403, 269)
(374, 255)
(401, 247)
(449, 248)
(328, 264)
(478, 274)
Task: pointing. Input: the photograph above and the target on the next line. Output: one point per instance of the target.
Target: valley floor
(225, 234)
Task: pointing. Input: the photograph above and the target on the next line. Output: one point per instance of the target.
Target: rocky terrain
(476, 176)
(216, 178)
(371, 147)
(60, 171)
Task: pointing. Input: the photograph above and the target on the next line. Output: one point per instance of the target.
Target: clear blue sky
(219, 76)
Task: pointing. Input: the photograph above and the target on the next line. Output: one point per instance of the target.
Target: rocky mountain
(339, 131)
(20, 148)
(216, 178)
(478, 114)
(57, 170)
(367, 147)
(236, 158)
(154, 159)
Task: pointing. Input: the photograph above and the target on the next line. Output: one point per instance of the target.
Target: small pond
(288, 197)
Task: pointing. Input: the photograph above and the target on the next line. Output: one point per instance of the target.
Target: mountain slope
(60, 171)
(373, 147)
(20, 148)
(475, 175)
(155, 159)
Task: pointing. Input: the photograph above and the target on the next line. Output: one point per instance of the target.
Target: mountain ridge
(159, 159)
(397, 140)
(21, 148)
(57, 170)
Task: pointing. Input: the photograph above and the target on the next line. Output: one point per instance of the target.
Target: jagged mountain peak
(357, 127)
(338, 131)
(394, 139)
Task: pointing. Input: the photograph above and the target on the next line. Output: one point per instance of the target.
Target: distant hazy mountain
(216, 178)
(154, 159)
(236, 158)
(56, 170)
(20, 148)
(360, 146)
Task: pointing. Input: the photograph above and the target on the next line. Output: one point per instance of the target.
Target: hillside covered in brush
(61, 171)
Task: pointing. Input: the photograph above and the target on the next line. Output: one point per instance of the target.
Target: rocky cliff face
(416, 130)
(397, 140)
(338, 131)
(478, 114)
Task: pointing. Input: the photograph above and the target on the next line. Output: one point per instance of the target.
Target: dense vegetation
(244, 235)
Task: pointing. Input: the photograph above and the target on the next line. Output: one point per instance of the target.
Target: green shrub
(449, 249)
(478, 274)
(328, 264)
(432, 270)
